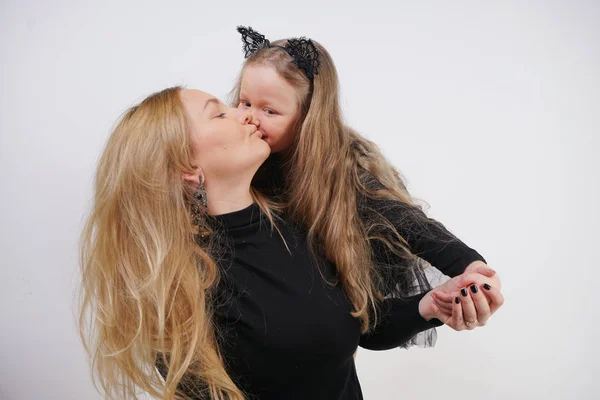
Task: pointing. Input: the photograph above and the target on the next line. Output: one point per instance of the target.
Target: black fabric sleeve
(427, 238)
(400, 322)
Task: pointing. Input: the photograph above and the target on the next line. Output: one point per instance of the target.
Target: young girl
(339, 186)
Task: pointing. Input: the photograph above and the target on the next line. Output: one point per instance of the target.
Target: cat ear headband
(302, 50)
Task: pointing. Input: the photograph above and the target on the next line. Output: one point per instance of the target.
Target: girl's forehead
(263, 75)
(264, 82)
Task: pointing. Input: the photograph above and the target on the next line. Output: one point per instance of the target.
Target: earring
(199, 205)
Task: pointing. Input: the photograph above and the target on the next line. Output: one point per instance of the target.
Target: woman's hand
(475, 312)
(464, 302)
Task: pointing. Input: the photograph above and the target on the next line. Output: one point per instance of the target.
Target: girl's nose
(247, 117)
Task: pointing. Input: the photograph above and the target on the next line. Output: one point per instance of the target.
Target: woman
(187, 268)
(338, 185)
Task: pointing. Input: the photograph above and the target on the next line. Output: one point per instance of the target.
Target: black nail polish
(457, 300)
(487, 287)
(464, 292)
(474, 288)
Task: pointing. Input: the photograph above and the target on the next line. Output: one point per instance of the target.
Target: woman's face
(272, 101)
(226, 143)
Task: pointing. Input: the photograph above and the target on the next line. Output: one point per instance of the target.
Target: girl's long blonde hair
(147, 286)
(327, 175)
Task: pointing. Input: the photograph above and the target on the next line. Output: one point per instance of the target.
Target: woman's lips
(258, 133)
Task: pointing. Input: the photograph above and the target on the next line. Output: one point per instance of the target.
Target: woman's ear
(192, 178)
(196, 177)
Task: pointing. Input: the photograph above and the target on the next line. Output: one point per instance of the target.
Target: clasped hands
(466, 301)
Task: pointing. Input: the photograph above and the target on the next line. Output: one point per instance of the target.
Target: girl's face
(272, 102)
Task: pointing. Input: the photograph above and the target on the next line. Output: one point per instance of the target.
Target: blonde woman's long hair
(147, 286)
(328, 173)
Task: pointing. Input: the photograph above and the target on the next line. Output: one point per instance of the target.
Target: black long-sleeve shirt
(285, 333)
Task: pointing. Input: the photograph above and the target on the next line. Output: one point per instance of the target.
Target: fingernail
(487, 287)
(464, 292)
(474, 288)
(457, 300)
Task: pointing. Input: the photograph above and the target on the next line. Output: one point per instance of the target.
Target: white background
(491, 109)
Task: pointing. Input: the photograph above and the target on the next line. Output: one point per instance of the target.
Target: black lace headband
(302, 50)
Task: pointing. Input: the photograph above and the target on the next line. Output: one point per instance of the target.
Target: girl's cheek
(262, 123)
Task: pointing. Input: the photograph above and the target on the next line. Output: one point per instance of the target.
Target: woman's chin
(267, 148)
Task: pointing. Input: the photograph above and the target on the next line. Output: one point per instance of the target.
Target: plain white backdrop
(491, 110)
